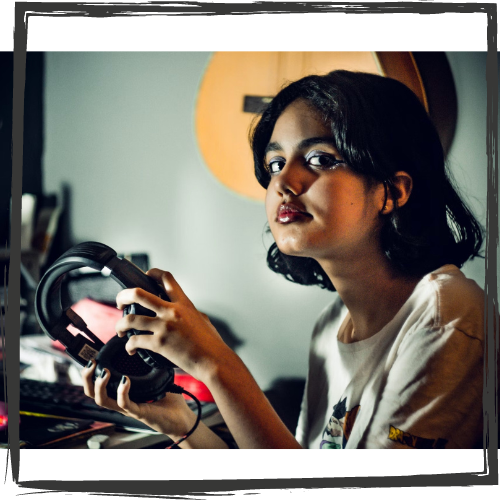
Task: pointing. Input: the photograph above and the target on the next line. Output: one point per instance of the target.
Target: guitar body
(237, 85)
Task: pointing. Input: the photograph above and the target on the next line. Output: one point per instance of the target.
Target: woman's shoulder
(457, 301)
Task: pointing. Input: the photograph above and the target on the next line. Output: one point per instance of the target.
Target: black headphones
(151, 374)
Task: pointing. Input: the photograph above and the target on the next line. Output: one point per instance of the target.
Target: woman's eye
(275, 165)
(322, 160)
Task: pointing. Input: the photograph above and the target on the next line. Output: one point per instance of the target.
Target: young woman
(359, 202)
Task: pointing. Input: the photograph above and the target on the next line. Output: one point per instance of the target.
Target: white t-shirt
(417, 383)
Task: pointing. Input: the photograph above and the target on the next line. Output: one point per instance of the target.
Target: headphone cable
(180, 390)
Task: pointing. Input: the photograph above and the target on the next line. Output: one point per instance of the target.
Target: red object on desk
(4, 419)
(194, 386)
(100, 318)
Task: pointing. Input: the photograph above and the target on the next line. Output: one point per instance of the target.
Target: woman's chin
(293, 250)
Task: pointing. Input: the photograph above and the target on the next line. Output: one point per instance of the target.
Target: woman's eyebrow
(273, 146)
(311, 141)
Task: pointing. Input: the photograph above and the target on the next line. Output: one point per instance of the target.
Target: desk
(120, 439)
(38, 395)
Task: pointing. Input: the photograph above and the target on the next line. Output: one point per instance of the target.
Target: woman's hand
(180, 332)
(170, 415)
(187, 338)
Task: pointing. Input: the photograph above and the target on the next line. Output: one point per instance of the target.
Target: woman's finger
(101, 396)
(135, 322)
(142, 342)
(87, 377)
(123, 399)
(139, 296)
(173, 289)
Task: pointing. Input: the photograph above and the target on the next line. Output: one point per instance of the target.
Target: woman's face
(316, 205)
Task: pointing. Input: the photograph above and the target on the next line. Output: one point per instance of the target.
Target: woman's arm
(247, 412)
(185, 336)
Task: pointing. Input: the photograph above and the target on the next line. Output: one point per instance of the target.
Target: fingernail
(103, 373)
(124, 379)
(89, 364)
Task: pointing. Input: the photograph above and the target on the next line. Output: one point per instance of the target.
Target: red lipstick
(288, 212)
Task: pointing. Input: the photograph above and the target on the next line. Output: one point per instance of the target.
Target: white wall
(119, 129)
(468, 158)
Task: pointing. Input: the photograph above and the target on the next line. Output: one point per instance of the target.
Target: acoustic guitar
(238, 85)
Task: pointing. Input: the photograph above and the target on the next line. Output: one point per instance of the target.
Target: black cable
(180, 390)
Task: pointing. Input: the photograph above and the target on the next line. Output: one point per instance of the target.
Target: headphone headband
(49, 310)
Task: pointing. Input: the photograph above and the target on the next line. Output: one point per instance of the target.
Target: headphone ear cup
(147, 383)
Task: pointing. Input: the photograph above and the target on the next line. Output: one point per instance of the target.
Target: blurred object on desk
(4, 418)
(28, 322)
(42, 362)
(100, 319)
(192, 385)
(39, 223)
(98, 442)
(38, 430)
(29, 276)
(46, 228)
(28, 214)
(126, 440)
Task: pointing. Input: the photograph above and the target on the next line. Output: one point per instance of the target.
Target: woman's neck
(372, 292)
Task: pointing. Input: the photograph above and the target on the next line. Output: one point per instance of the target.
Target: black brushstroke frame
(164, 489)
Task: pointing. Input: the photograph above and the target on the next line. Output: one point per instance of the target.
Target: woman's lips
(288, 212)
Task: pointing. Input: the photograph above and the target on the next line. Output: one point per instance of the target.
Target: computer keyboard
(67, 400)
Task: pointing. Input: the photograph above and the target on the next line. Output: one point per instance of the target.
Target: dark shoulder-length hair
(380, 127)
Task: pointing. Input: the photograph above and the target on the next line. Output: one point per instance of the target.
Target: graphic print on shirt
(339, 427)
(400, 436)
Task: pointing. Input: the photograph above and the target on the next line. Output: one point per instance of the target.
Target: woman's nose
(291, 180)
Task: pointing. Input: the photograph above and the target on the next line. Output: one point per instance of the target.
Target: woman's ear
(403, 184)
